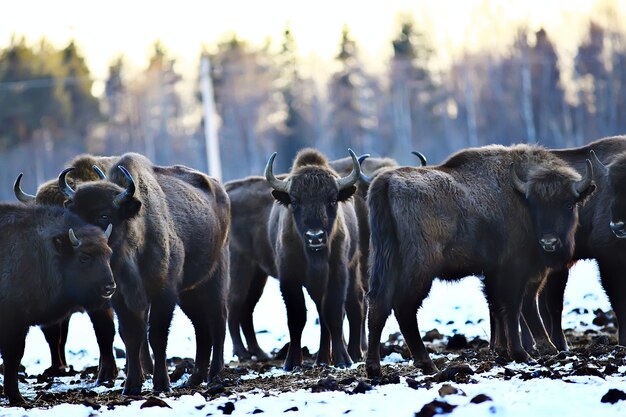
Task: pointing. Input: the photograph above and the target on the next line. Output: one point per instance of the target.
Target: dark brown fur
(594, 238)
(324, 272)
(461, 218)
(43, 277)
(169, 246)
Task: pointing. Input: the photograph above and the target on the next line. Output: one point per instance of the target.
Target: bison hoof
(133, 392)
(195, 380)
(243, 355)
(520, 356)
(160, 390)
(428, 368)
(292, 368)
(343, 364)
(261, 356)
(373, 370)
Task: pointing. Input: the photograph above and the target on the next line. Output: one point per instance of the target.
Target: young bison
(51, 262)
(471, 215)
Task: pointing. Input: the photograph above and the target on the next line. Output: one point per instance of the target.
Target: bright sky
(103, 30)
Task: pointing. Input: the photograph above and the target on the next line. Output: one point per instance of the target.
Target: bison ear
(130, 208)
(282, 197)
(346, 193)
(583, 197)
(63, 245)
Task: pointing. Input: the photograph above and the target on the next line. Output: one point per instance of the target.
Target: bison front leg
(104, 328)
(550, 302)
(242, 274)
(133, 331)
(296, 318)
(247, 323)
(333, 313)
(355, 312)
(12, 350)
(530, 314)
(54, 337)
(161, 312)
(194, 305)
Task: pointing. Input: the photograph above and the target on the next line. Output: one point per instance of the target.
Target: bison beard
(470, 215)
(314, 236)
(63, 265)
(169, 245)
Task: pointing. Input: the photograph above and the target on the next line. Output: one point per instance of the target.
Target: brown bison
(169, 241)
(470, 215)
(252, 259)
(51, 262)
(102, 318)
(599, 235)
(313, 233)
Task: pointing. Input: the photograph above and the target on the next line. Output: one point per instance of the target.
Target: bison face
(85, 257)
(312, 193)
(616, 174)
(102, 202)
(553, 197)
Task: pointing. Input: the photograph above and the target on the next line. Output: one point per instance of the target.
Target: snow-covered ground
(451, 308)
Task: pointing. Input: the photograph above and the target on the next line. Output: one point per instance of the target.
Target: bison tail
(384, 243)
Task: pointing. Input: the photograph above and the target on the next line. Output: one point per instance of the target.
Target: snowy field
(451, 308)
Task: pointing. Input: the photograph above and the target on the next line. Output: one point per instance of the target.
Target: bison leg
(53, 335)
(509, 303)
(528, 341)
(497, 325)
(133, 331)
(161, 312)
(247, 323)
(611, 276)
(296, 318)
(355, 312)
(147, 365)
(242, 275)
(405, 309)
(218, 315)
(12, 350)
(334, 312)
(193, 304)
(532, 318)
(379, 310)
(551, 306)
(104, 329)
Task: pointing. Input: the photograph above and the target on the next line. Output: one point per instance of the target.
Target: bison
(599, 235)
(51, 262)
(169, 246)
(102, 318)
(314, 239)
(471, 215)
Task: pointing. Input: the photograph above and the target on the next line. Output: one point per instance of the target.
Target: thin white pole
(214, 165)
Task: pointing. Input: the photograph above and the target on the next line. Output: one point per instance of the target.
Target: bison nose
(549, 243)
(618, 229)
(315, 238)
(108, 290)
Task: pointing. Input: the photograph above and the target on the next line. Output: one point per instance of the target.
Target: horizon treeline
(265, 103)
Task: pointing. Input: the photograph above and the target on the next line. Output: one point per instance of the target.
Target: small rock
(480, 398)
(227, 408)
(457, 342)
(447, 389)
(432, 335)
(613, 396)
(435, 407)
(291, 409)
(362, 387)
(154, 402)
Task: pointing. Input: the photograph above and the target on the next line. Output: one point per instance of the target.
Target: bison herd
(363, 236)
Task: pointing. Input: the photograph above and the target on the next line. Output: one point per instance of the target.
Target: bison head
(312, 193)
(615, 175)
(85, 256)
(553, 195)
(102, 202)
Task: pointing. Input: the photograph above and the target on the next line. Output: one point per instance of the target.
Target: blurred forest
(48, 113)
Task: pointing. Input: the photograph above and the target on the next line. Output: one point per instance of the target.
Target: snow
(451, 308)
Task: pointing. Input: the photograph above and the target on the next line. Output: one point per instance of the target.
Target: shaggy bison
(252, 259)
(51, 262)
(169, 241)
(599, 235)
(314, 238)
(473, 214)
(102, 318)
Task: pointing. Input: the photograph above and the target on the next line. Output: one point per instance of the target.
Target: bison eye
(332, 203)
(570, 206)
(84, 259)
(104, 217)
(294, 204)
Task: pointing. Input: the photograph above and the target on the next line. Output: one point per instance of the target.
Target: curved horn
(598, 166)
(363, 177)
(353, 177)
(276, 184)
(584, 183)
(19, 193)
(421, 157)
(128, 192)
(517, 182)
(74, 239)
(64, 186)
(101, 174)
(107, 232)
